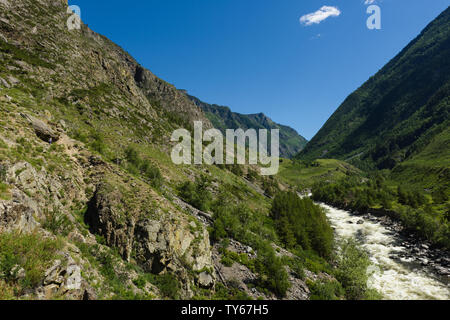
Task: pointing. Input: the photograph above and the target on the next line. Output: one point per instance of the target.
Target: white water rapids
(396, 279)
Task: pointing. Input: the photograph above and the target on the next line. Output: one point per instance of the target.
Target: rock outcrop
(43, 131)
(158, 240)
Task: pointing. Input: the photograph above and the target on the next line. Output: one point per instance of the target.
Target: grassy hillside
(304, 174)
(399, 118)
(91, 205)
(223, 118)
(428, 169)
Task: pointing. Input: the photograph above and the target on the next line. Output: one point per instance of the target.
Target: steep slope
(399, 113)
(86, 74)
(223, 118)
(71, 104)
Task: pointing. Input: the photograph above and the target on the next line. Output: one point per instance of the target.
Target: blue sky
(255, 55)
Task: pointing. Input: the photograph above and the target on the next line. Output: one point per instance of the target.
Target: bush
(230, 293)
(252, 175)
(352, 273)
(196, 194)
(106, 261)
(272, 273)
(152, 173)
(132, 156)
(140, 282)
(297, 267)
(98, 144)
(167, 284)
(226, 224)
(270, 187)
(229, 257)
(325, 290)
(236, 170)
(440, 195)
(227, 261)
(137, 165)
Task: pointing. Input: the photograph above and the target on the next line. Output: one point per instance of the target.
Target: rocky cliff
(89, 204)
(58, 85)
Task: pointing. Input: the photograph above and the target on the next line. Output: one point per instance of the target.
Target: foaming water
(396, 279)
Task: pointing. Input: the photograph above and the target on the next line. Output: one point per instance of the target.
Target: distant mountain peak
(399, 115)
(223, 118)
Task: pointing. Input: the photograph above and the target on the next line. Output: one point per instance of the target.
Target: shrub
(440, 195)
(226, 224)
(297, 267)
(352, 273)
(168, 285)
(230, 293)
(132, 156)
(106, 261)
(196, 194)
(140, 282)
(98, 143)
(325, 290)
(236, 170)
(152, 173)
(137, 165)
(229, 257)
(270, 187)
(272, 273)
(227, 261)
(252, 175)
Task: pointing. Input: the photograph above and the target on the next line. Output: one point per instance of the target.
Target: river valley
(401, 268)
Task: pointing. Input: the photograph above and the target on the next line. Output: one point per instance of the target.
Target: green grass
(4, 191)
(299, 174)
(114, 279)
(23, 55)
(398, 112)
(31, 252)
(430, 168)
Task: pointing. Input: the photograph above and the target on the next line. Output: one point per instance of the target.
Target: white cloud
(320, 15)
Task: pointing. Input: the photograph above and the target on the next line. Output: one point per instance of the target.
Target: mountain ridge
(92, 205)
(398, 112)
(222, 118)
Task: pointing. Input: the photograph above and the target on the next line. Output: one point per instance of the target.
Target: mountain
(223, 118)
(91, 204)
(399, 119)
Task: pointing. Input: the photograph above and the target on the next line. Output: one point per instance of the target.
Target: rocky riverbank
(418, 251)
(403, 267)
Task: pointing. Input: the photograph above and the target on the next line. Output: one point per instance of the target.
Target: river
(395, 272)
